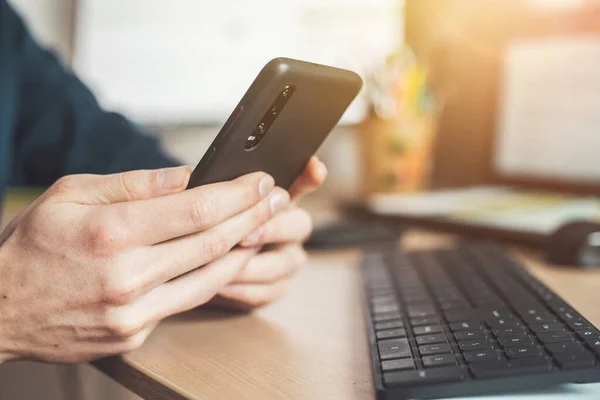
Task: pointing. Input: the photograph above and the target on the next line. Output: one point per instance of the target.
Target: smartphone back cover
(321, 96)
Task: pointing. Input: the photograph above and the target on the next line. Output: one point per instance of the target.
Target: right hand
(90, 267)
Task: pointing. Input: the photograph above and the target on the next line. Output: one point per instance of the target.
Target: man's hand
(265, 277)
(92, 265)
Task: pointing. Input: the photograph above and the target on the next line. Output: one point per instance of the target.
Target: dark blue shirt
(51, 124)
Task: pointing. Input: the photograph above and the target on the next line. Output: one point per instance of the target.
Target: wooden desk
(310, 345)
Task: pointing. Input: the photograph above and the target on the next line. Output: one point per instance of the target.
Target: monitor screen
(548, 120)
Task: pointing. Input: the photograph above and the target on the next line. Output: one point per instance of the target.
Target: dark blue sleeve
(62, 130)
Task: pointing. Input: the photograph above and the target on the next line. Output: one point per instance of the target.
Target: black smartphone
(281, 121)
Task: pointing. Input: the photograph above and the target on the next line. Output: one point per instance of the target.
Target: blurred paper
(163, 61)
(549, 117)
(492, 206)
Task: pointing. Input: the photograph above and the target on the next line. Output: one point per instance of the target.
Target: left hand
(266, 274)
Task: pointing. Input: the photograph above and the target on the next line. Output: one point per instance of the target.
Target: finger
(274, 265)
(292, 225)
(157, 220)
(123, 187)
(167, 260)
(192, 289)
(249, 296)
(312, 177)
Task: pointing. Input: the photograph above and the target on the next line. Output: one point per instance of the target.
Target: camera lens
(260, 129)
(286, 91)
(274, 110)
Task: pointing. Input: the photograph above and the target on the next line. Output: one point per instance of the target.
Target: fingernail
(279, 200)
(173, 178)
(265, 185)
(322, 171)
(253, 238)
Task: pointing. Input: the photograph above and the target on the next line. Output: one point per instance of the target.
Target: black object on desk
(352, 233)
(575, 244)
(467, 321)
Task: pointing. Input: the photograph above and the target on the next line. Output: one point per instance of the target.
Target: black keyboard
(470, 320)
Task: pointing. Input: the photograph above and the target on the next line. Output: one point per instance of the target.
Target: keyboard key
(515, 367)
(432, 349)
(522, 351)
(515, 340)
(579, 325)
(467, 335)
(424, 321)
(394, 348)
(508, 331)
(420, 312)
(573, 361)
(432, 339)
(465, 326)
(471, 345)
(423, 330)
(565, 347)
(439, 360)
(394, 365)
(559, 336)
(460, 316)
(589, 334)
(391, 333)
(532, 310)
(504, 324)
(389, 325)
(386, 316)
(426, 377)
(543, 318)
(480, 356)
(570, 316)
(453, 305)
(594, 344)
(386, 307)
(549, 327)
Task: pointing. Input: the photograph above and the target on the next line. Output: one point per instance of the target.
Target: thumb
(122, 187)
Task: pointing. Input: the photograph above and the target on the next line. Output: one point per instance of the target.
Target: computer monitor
(547, 127)
(521, 85)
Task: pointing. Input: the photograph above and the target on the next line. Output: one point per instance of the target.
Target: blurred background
(487, 97)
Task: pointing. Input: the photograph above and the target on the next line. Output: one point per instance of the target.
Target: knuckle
(64, 184)
(202, 210)
(249, 190)
(130, 185)
(104, 236)
(133, 342)
(120, 327)
(215, 246)
(117, 291)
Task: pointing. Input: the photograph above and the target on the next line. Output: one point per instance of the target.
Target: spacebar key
(429, 376)
(516, 367)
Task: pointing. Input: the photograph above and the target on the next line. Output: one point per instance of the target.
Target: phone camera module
(268, 119)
